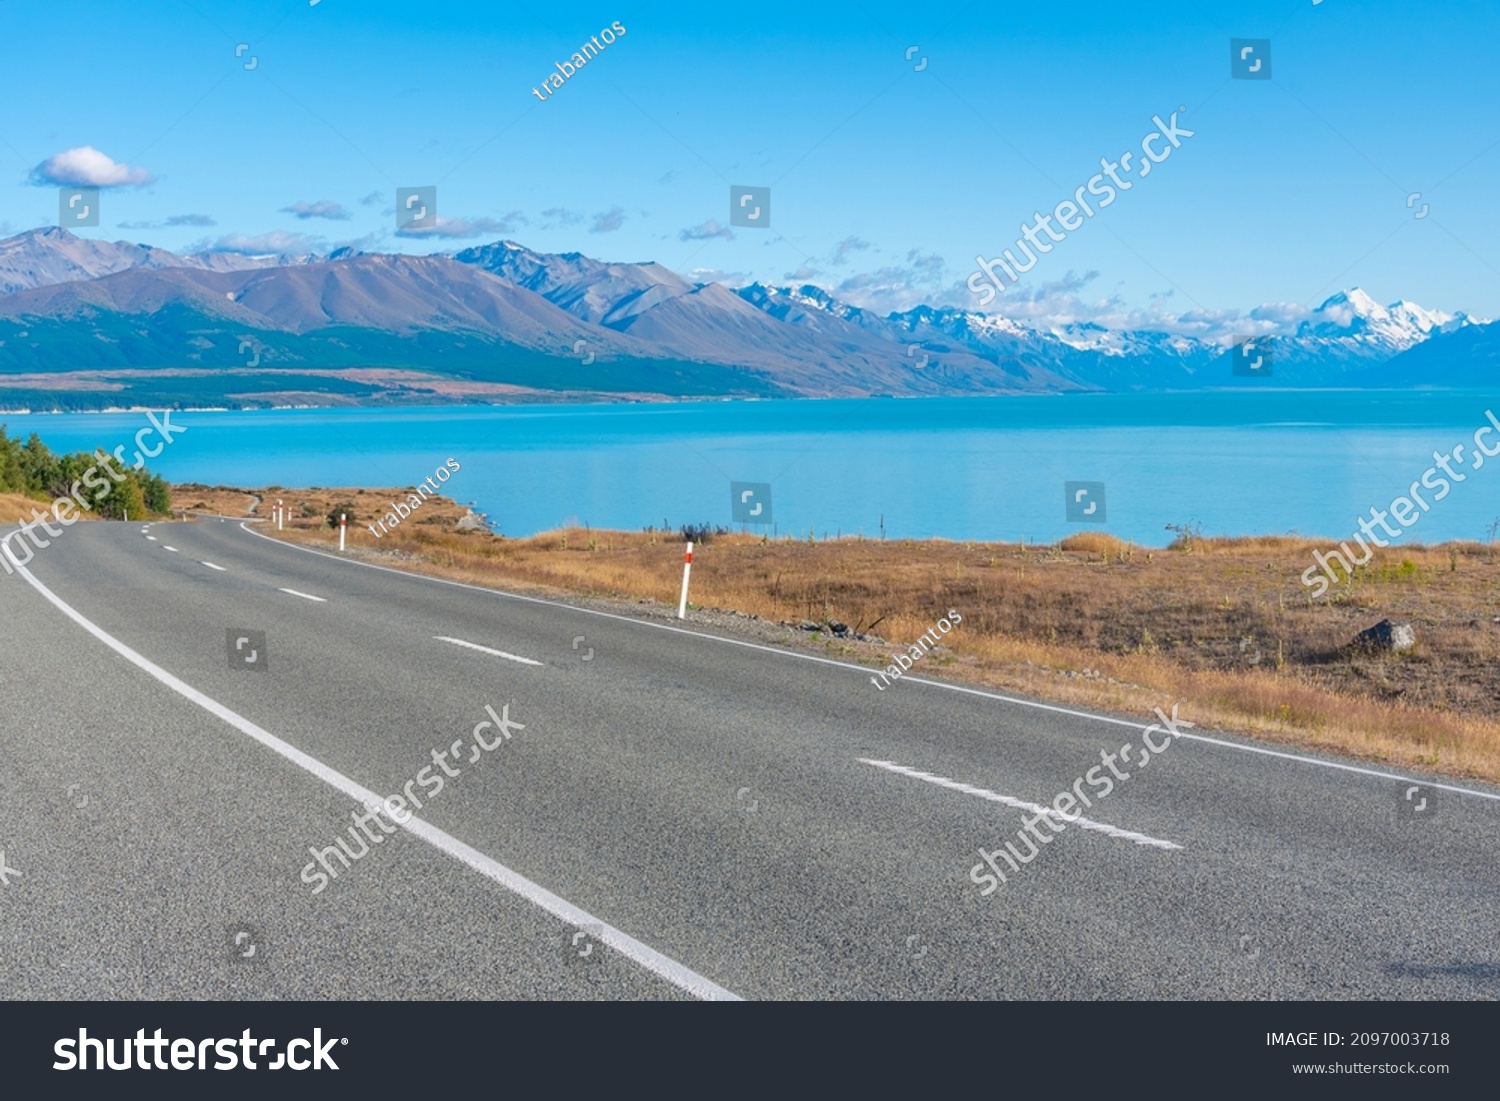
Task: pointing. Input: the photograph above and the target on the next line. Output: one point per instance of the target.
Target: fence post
(687, 568)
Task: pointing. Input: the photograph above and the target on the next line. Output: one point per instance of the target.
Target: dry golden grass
(1222, 625)
(14, 506)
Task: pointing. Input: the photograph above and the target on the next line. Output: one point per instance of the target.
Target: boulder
(473, 521)
(1385, 635)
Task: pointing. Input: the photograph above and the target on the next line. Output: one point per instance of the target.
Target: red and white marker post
(687, 568)
(343, 522)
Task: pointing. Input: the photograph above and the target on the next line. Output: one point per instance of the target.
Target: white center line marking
(486, 650)
(172, 549)
(304, 596)
(211, 566)
(864, 670)
(679, 975)
(152, 538)
(1021, 804)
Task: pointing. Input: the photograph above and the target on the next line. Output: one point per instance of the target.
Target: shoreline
(584, 397)
(1216, 626)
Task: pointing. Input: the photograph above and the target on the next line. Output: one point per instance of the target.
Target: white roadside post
(280, 512)
(687, 568)
(343, 520)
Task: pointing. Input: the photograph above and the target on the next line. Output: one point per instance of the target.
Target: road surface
(674, 814)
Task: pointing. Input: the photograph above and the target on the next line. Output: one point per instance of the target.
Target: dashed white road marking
(304, 596)
(864, 671)
(172, 549)
(1021, 804)
(152, 538)
(211, 566)
(664, 967)
(486, 650)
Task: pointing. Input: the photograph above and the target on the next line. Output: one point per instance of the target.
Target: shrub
(702, 533)
(1094, 542)
(1187, 534)
(343, 507)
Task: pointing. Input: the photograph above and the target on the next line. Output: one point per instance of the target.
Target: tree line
(31, 469)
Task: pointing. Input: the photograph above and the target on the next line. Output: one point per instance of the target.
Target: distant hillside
(89, 324)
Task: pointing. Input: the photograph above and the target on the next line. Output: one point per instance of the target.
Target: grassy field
(19, 507)
(1223, 627)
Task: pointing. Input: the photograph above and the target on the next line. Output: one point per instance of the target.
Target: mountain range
(89, 324)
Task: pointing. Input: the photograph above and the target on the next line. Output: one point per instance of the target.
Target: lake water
(1237, 463)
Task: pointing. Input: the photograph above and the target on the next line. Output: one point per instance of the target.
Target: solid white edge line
(1021, 804)
(679, 975)
(486, 649)
(864, 669)
(304, 596)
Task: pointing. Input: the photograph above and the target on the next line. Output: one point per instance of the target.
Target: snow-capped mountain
(507, 314)
(1347, 334)
(1353, 327)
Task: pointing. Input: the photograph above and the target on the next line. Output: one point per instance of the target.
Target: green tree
(41, 468)
(12, 475)
(123, 499)
(155, 493)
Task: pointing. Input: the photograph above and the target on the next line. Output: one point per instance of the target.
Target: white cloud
(715, 275)
(323, 208)
(1058, 303)
(706, 231)
(172, 220)
(85, 166)
(276, 243)
(461, 228)
(611, 220)
(842, 250)
(897, 286)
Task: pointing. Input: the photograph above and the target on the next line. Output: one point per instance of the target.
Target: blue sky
(886, 179)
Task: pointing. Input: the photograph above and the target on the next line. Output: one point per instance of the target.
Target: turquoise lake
(1241, 463)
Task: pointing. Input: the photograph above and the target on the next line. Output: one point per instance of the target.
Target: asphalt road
(676, 815)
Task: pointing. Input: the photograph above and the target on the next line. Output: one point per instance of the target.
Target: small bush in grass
(1094, 542)
(346, 509)
(702, 533)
